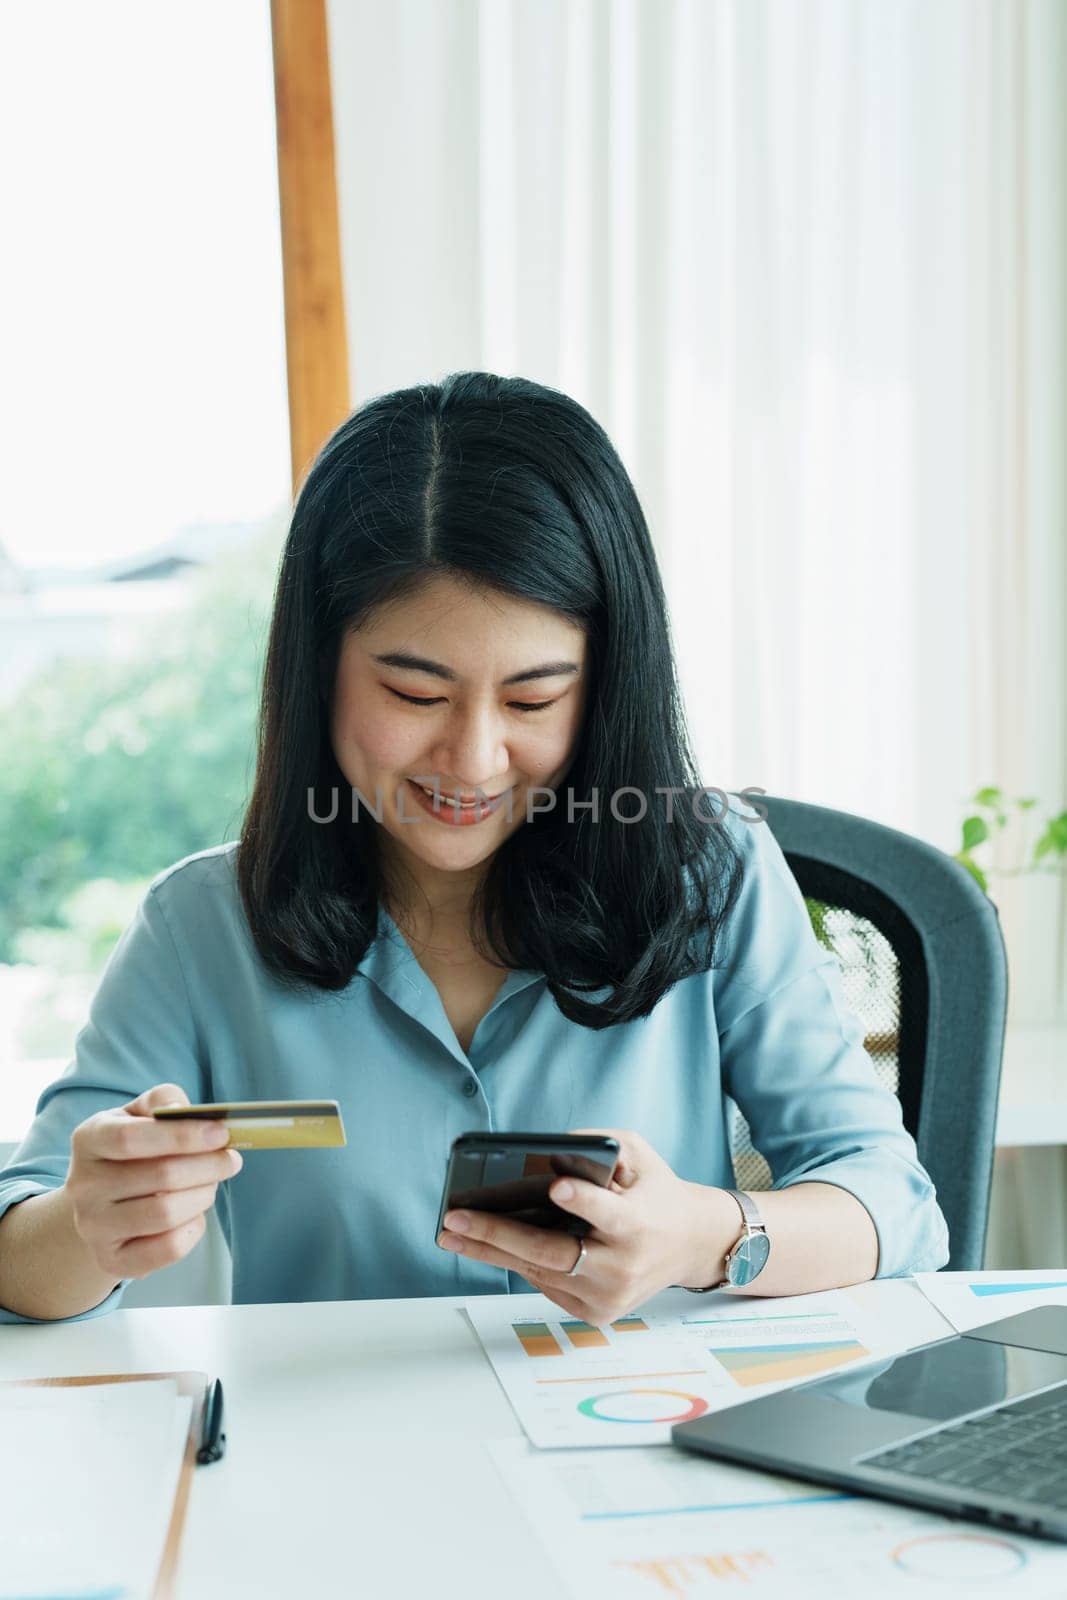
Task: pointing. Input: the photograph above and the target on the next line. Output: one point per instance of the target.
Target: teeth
(464, 805)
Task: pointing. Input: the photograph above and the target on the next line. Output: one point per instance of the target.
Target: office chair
(924, 967)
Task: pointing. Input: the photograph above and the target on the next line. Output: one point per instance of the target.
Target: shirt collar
(390, 963)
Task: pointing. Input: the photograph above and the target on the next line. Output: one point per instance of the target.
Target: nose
(473, 753)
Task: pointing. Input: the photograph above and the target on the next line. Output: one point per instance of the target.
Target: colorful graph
(583, 1335)
(642, 1405)
(537, 1339)
(768, 1363)
(678, 1574)
(583, 1377)
(982, 1289)
(956, 1556)
(717, 1507)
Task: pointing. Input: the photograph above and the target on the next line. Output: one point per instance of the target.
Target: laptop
(973, 1425)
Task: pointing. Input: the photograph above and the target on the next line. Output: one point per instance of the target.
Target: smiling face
(478, 730)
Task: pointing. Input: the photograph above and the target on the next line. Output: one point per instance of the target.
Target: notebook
(94, 1475)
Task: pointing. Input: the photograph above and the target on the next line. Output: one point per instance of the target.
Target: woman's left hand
(647, 1227)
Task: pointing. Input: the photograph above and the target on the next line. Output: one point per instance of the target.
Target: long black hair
(514, 487)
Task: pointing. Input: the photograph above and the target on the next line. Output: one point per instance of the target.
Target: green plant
(865, 935)
(991, 810)
(115, 769)
(817, 910)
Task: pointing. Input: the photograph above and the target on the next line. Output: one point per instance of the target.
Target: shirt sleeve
(140, 1032)
(793, 1059)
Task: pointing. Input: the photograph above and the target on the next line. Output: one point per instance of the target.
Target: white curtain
(805, 260)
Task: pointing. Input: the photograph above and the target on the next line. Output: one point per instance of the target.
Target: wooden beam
(316, 349)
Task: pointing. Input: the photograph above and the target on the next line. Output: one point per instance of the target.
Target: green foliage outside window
(113, 770)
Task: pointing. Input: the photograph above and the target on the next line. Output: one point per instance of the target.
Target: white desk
(354, 1462)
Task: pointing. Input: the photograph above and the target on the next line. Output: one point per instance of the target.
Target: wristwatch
(747, 1257)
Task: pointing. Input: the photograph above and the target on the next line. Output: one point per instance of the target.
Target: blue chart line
(725, 1505)
(737, 1322)
(81, 1594)
(981, 1289)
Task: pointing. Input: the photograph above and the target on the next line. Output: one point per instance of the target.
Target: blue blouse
(185, 998)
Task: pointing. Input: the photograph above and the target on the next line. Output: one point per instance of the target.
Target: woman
(469, 608)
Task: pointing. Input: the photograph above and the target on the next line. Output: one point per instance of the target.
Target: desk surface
(355, 1461)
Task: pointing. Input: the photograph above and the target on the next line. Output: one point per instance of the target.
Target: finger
(606, 1210)
(472, 1250)
(138, 1257)
(493, 1256)
(120, 1136)
(158, 1213)
(628, 1165)
(160, 1094)
(128, 1180)
(567, 1301)
(546, 1247)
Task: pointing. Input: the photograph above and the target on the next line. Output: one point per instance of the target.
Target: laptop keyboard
(1020, 1449)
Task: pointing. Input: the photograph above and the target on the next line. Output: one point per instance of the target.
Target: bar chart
(573, 1383)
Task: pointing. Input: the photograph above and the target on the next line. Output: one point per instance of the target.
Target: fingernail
(563, 1191)
(216, 1135)
(458, 1221)
(447, 1242)
(236, 1160)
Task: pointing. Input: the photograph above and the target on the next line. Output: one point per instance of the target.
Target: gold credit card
(268, 1124)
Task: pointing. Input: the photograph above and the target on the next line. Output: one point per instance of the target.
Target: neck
(428, 903)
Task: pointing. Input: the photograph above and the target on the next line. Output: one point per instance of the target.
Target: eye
(517, 705)
(411, 699)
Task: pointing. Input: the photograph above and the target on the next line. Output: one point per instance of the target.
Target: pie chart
(643, 1405)
(952, 1557)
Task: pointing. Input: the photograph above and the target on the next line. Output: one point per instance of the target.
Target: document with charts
(968, 1299)
(573, 1384)
(662, 1524)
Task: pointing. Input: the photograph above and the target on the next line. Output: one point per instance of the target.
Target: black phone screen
(514, 1179)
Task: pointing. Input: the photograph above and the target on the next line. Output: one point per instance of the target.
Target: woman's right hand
(139, 1188)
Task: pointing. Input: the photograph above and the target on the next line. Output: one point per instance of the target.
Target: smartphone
(511, 1173)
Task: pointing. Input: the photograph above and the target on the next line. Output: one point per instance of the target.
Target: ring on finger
(577, 1265)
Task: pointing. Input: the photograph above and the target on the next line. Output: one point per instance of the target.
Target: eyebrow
(401, 658)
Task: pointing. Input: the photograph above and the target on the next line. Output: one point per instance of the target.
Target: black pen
(213, 1440)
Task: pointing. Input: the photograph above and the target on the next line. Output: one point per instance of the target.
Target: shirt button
(470, 1087)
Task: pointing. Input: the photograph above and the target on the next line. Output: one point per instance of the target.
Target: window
(143, 406)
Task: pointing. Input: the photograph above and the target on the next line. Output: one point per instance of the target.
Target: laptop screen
(947, 1380)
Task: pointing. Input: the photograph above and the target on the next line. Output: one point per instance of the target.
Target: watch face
(749, 1258)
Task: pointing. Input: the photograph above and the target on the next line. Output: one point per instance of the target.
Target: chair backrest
(923, 965)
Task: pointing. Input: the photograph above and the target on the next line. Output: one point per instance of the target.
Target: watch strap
(752, 1222)
(748, 1209)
